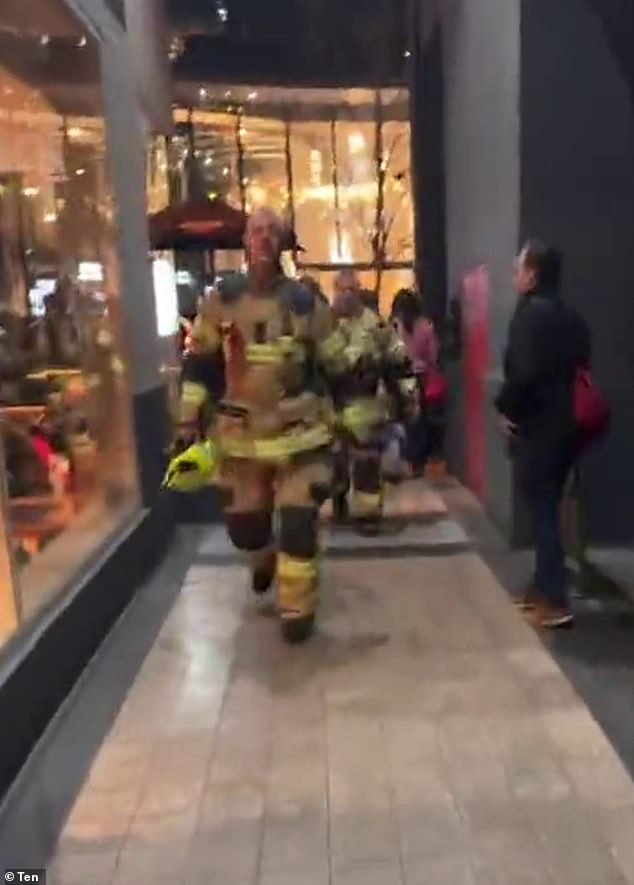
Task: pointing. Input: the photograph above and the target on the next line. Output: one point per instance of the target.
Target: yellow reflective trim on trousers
(361, 417)
(296, 569)
(277, 448)
(366, 504)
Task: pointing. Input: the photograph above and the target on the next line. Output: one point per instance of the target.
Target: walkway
(424, 737)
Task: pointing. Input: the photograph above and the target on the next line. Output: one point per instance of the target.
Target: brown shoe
(549, 617)
(528, 601)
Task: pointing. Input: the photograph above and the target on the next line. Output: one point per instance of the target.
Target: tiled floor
(424, 737)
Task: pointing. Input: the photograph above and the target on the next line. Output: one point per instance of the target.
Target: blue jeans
(543, 466)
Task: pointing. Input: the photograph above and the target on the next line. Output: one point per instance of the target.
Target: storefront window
(314, 194)
(157, 176)
(69, 465)
(265, 173)
(357, 190)
(397, 192)
(388, 285)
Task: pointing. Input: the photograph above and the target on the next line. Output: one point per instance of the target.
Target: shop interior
(67, 446)
(334, 162)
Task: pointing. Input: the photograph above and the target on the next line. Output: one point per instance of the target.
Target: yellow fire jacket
(262, 364)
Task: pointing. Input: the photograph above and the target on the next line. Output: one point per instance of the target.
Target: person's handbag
(592, 410)
(436, 388)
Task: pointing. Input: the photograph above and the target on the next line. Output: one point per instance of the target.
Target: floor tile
(368, 874)
(96, 868)
(423, 737)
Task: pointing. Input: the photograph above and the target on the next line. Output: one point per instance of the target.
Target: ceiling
(38, 17)
(291, 42)
(284, 43)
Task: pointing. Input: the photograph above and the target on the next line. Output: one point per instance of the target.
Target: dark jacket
(547, 342)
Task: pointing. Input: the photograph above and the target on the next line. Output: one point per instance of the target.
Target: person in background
(313, 286)
(346, 286)
(370, 300)
(419, 336)
(547, 343)
(378, 387)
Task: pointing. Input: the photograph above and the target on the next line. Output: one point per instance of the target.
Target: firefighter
(379, 387)
(264, 353)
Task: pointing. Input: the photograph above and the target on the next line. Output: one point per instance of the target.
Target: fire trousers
(360, 466)
(254, 493)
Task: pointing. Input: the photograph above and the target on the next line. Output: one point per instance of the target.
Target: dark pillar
(428, 164)
(539, 141)
(577, 190)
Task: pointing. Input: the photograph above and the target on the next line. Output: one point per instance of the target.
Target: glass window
(357, 189)
(312, 153)
(265, 173)
(398, 224)
(388, 285)
(157, 178)
(64, 397)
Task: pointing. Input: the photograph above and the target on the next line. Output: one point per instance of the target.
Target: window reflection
(266, 181)
(358, 189)
(313, 192)
(390, 283)
(397, 192)
(64, 397)
(316, 155)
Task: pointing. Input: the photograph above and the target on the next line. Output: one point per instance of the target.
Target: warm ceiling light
(30, 191)
(80, 171)
(45, 39)
(82, 42)
(75, 132)
(202, 92)
(252, 96)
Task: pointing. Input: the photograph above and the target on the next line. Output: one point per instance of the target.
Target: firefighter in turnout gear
(379, 387)
(264, 353)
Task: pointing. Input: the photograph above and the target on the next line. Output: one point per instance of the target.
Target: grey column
(469, 156)
(126, 148)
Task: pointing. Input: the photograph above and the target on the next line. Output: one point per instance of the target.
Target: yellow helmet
(194, 468)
